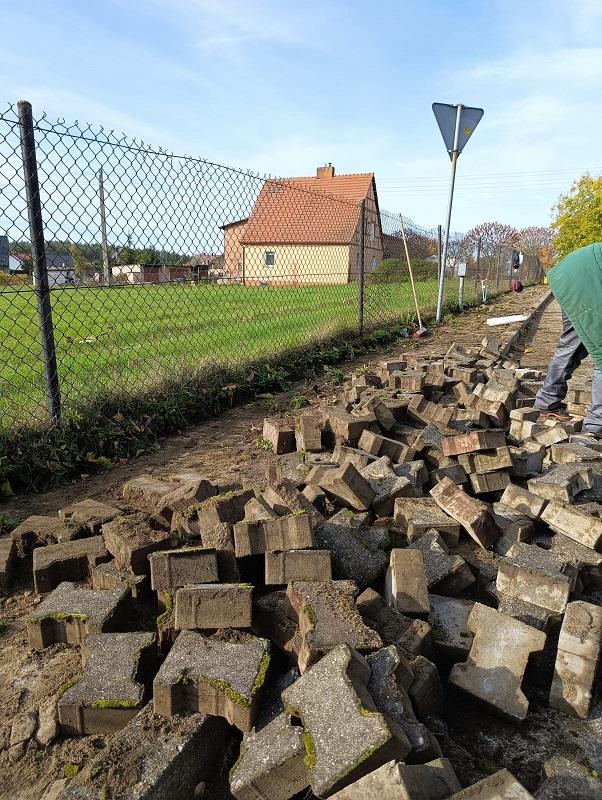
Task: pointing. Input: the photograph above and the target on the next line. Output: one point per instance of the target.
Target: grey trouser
(568, 356)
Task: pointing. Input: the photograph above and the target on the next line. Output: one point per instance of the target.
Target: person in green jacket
(576, 283)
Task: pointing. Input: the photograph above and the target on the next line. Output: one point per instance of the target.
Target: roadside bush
(395, 270)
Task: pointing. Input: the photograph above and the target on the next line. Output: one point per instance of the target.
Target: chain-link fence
(123, 267)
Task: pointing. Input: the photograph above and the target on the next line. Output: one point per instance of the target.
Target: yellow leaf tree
(578, 215)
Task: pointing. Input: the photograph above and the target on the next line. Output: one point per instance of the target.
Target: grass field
(128, 339)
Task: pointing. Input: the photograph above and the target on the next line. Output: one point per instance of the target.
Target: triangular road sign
(445, 115)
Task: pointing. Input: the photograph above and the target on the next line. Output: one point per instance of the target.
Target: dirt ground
(226, 451)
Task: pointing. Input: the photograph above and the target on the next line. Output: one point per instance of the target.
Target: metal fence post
(360, 268)
(38, 256)
(103, 229)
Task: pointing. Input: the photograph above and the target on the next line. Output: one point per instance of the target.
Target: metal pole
(439, 245)
(103, 228)
(360, 269)
(38, 256)
(461, 293)
(405, 245)
(478, 270)
(449, 210)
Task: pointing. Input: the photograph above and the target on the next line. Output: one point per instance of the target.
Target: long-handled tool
(421, 329)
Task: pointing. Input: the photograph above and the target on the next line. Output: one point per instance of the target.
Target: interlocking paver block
(181, 498)
(110, 691)
(272, 621)
(171, 569)
(574, 523)
(37, 531)
(567, 779)
(108, 576)
(534, 576)
(561, 482)
(422, 514)
(423, 410)
(131, 539)
(228, 507)
(352, 556)
(332, 696)
(297, 565)
(426, 692)
(523, 501)
(411, 636)
(377, 445)
(271, 764)
(486, 461)
(497, 660)
(284, 498)
(326, 614)
(348, 486)
(291, 532)
(280, 433)
(500, 786)
(346, 428)
(577, 660)
(214, 605)
(449, 624)
(473, 441)
(406, 583)
(527, 460)
(310, 430)
(387, 489)
(573, 452)
(7, 561)
(397, 781)
(474, 516)
(445, 574)
(144, 493)
(213, 676)
(91, 514)
(68, 561)
(70, 613)
(490, 482)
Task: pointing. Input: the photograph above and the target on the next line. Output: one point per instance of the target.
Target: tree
(538, 241)
(578, 215)
(497, 242)
(149, 258)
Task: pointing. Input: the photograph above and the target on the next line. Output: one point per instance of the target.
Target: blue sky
(279, 88)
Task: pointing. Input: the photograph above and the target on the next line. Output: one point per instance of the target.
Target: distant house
(306, 231)
(11, 263)
(60, 267)
(202, 265)
(147, 273)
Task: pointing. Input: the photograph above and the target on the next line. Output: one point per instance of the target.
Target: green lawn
(130, 338)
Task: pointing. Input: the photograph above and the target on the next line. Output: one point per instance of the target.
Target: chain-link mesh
(160, 265)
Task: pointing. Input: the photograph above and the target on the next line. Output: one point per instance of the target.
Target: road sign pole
(449, 210)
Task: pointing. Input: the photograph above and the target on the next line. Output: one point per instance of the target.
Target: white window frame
(266, 254)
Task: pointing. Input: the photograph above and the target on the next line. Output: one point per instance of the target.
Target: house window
(372, 231)
(373, 263)
(269, 258)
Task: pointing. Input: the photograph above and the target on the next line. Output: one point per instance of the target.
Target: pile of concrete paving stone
(429, 524)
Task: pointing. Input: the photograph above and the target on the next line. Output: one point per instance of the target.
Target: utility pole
(103, 229)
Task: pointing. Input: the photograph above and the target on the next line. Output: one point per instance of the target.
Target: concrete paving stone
(327, 616)
(48, 728)
(346, 428)
(470, 418)
(221, 539)
(414, 471)
(411, 636)
(181, 498)
(572, 452)
(387, 490)
(108, 576)
(483, 563)
(228, 507)
(22, 730)
(574, 523)
(454, 472)
(271, 620)
(72, 561)
(500, 786)
(394, 364)
(423, 410)
(111, 689)
(564, 779)
(495, 411)
(406, 583)
(291, 532)
(561, 482)
(377, 445)
(214, 605)
(280, 433)
(577, 660)
(335, 689)
(474, 516)
(381, 467)
(152, 759)
(352, 557)
(271, 765)
(548, 435)
(464, 374)
(297, 565)
(310, 431)
(419, 515)
(397, 781)
(515, 527)
(38, 531)
(145, 492)
(473, 441)
(352, 455)
(409, 380)
(446, 574)
(91, 514)
(171, 569)
(130, 539)
(449, 624)
(289, 466)
(588, 441)
(7, 562)
(213, 676)
(284, 498)
(586, 562)
(523, 501)
(530, 614)
(316, 496)
(490, 482)
(527, 460)
(493, 672)
(527, 413)
(70, 613)
(486, 461)
(537, 576)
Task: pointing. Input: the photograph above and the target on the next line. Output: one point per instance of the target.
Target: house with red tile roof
(306, 231)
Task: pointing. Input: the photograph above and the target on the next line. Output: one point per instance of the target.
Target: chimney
(327, 171)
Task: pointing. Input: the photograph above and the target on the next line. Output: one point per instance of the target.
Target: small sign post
(456, 123)
(461, 276)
